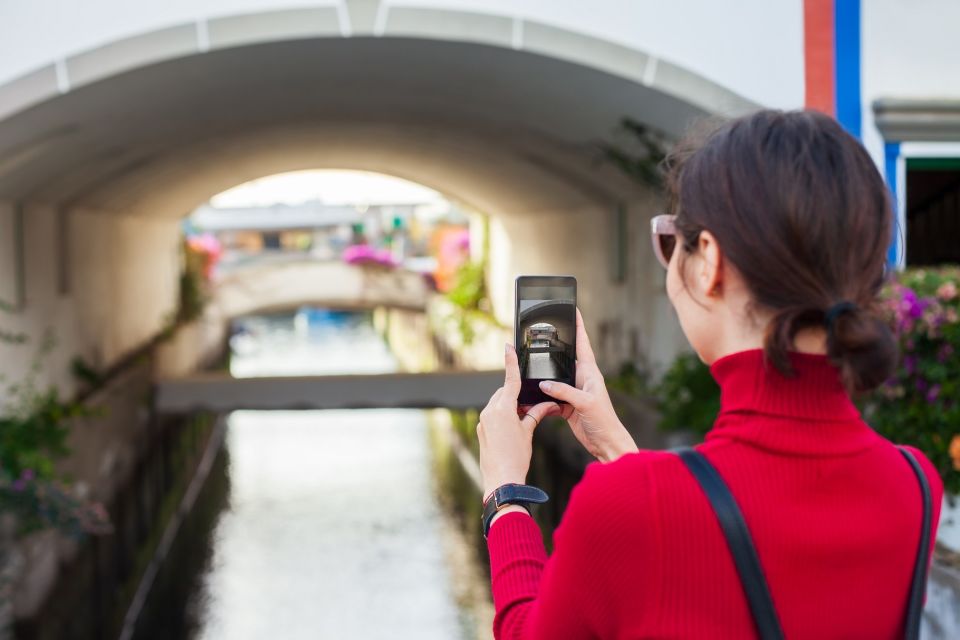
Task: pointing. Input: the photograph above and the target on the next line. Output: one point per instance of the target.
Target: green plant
(41, 504)
(7, 336)
(920, 404)
(629, 380)
(470, 288)
(33, 434)
(687, 396)
(469, 297)
(193, 283)
(84, 372)
(640, 156)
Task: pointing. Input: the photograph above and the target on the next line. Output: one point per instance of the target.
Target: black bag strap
(739, 541)
(918, 587)
(748, 564)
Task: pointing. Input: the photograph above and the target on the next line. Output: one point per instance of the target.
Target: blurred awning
(932, 120)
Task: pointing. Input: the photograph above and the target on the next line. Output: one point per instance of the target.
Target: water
(310, 342)
(313, 524)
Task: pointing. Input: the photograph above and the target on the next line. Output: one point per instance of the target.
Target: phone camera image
(545, 331)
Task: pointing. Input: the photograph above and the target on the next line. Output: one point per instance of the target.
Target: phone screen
(546, 330)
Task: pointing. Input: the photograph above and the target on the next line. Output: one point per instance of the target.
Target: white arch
(506, 128)
(148, 38)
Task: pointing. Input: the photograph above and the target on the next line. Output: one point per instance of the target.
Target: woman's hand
(506, 438)
(589, 411)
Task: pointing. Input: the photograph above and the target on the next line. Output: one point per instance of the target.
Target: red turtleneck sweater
(833, 508)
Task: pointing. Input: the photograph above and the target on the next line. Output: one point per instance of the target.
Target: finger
(584, 350)
(538, 412)
(511, 373)
(563, 391)
(492, 402)
(523, 408)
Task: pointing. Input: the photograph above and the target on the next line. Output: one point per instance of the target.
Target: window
(933, 211)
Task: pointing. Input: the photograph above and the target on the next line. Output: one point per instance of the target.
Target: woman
(775, 253)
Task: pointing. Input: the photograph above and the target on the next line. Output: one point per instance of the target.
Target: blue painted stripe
(891, 154)
(847, 60)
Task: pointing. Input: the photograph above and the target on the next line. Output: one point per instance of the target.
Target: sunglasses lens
(668, 242)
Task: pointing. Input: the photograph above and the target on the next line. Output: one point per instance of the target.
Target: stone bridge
(337, 285)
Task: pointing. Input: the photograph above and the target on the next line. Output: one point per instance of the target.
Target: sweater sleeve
(574, 593)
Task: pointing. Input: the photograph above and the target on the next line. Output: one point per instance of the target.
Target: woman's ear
(710, 269)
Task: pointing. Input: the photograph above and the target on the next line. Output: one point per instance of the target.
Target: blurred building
(312, 229)
(889, 70)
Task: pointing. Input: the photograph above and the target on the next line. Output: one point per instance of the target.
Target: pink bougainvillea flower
(947, 291)
(944, 352)
(366, 254)
(910, 364)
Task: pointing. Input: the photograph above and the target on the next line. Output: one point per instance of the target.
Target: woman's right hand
(589, 411)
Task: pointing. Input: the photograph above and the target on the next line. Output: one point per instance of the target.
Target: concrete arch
(102, 151)
(546, 309)
(138, 124)
(363, 19)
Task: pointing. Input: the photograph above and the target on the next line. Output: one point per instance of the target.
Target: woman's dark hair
(800, 211)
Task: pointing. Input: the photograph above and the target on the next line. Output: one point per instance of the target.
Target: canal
(318, 524)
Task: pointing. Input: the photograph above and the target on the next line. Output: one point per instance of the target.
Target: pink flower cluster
(915, 316)
(920, 403)
(21, 483)
(921, 323)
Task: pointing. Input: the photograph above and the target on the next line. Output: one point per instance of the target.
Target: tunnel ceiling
(499, 129)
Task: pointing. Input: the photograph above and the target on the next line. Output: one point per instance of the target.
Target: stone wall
(138, 465)
(101, 284)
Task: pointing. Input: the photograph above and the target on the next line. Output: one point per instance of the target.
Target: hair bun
(862, 345)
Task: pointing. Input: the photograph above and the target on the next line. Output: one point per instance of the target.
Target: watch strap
(518, 494)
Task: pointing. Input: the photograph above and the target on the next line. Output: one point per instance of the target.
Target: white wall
(117, 285)
(42, 309)
(124, 274)
(909, 50)
(752, 47)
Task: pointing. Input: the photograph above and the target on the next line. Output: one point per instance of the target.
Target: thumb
(538, 412)
(562, 391)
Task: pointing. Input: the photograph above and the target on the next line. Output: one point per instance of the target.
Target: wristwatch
(519, 494)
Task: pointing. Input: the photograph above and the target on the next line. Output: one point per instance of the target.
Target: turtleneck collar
(809, 413)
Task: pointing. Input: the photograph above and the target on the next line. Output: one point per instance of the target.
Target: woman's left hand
(506, 438)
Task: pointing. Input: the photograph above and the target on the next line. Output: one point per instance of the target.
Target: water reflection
(327, 525)
(310, 342)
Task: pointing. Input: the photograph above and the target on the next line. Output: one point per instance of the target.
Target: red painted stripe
(818, 34)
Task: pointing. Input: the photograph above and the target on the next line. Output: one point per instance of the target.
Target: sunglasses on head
(663, 232)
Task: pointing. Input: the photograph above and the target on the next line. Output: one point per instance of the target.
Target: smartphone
(545, 333)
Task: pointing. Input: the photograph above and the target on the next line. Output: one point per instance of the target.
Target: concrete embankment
(138, 465)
